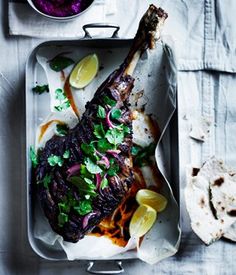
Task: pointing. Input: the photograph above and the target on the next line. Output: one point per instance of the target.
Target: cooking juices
(62, 8)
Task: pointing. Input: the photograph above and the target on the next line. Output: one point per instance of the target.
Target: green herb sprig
(60, 62)
(142, 155)
(62, 129)
(33, 157)
(40, 89)
(64, 103)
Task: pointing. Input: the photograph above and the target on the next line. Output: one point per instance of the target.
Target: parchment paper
(156, 75)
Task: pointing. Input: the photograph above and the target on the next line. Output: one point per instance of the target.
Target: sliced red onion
(98, 181)
(108, 120)
(113, 151)
(104, 160)
(86, 219)
(73, 170)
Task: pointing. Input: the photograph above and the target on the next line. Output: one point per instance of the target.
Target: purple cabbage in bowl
(62, 8)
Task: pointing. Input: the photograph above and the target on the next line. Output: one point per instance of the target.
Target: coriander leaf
(135, 150)
(114, 167)
(89, 181)
(84, 188)
(126, 129)
(58, 108)
(103, 145)
(33, 157)
(59, 63)
(54, 160)
(84, 207)
(99, 131)
(64, 207)
(114, 136)
(107, 100)
(40, 89)
(61, 129)
(60, 95)
(66, 154)
(62, 219)
(84, 172)
(104, 183)
(101, 112)
(116, 113)
(46, 180)
(92, 167)
(88, 149)
(64, 102)
(63, 106)
(144, 155)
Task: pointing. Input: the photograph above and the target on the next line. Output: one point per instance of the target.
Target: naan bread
(210, 197)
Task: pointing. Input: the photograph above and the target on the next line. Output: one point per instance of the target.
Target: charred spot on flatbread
(195, 171)
(219, 181)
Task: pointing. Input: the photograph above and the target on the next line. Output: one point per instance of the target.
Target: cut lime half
(151, 198)
(142, 220)
(84, 71)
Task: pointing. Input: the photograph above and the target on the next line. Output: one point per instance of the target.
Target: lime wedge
(142, 220)
(151, 198)
(84, 72)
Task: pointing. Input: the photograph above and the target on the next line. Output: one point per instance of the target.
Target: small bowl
(59, 18)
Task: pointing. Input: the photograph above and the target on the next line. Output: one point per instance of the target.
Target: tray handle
(94, 271)
(100, 26)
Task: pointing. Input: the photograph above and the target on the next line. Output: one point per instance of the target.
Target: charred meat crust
(109, 198)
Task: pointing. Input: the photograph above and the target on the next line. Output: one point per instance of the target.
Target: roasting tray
(37, 108)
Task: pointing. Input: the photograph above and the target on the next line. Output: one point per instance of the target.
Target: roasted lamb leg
(83, 176)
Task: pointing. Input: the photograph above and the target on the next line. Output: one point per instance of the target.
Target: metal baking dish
(37, 108)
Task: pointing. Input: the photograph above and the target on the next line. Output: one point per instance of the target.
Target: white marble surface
(16, 257)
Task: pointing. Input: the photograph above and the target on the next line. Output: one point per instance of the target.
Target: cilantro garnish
(84, 172)
(62, 219)
(99, 131)
(109, 101)
(60, 95)
(40, 89)
(135, 150)
(88, 149)
(64, 103)
(103, 145)
(116, 113)
(85, 186)
(64, 207)
(126, 129)
(54, 160)
(92, 167)
(142, 155)
(84, 207)
(66, 154)
(114, 136)
(89, 182)
(61, 129)
(104, 183)
(114, 168)
(101, 112)
(46, 180)
(33, 157)
(63, 106)
(59, 63)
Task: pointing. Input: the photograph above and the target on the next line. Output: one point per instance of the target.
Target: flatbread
(210, 196)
